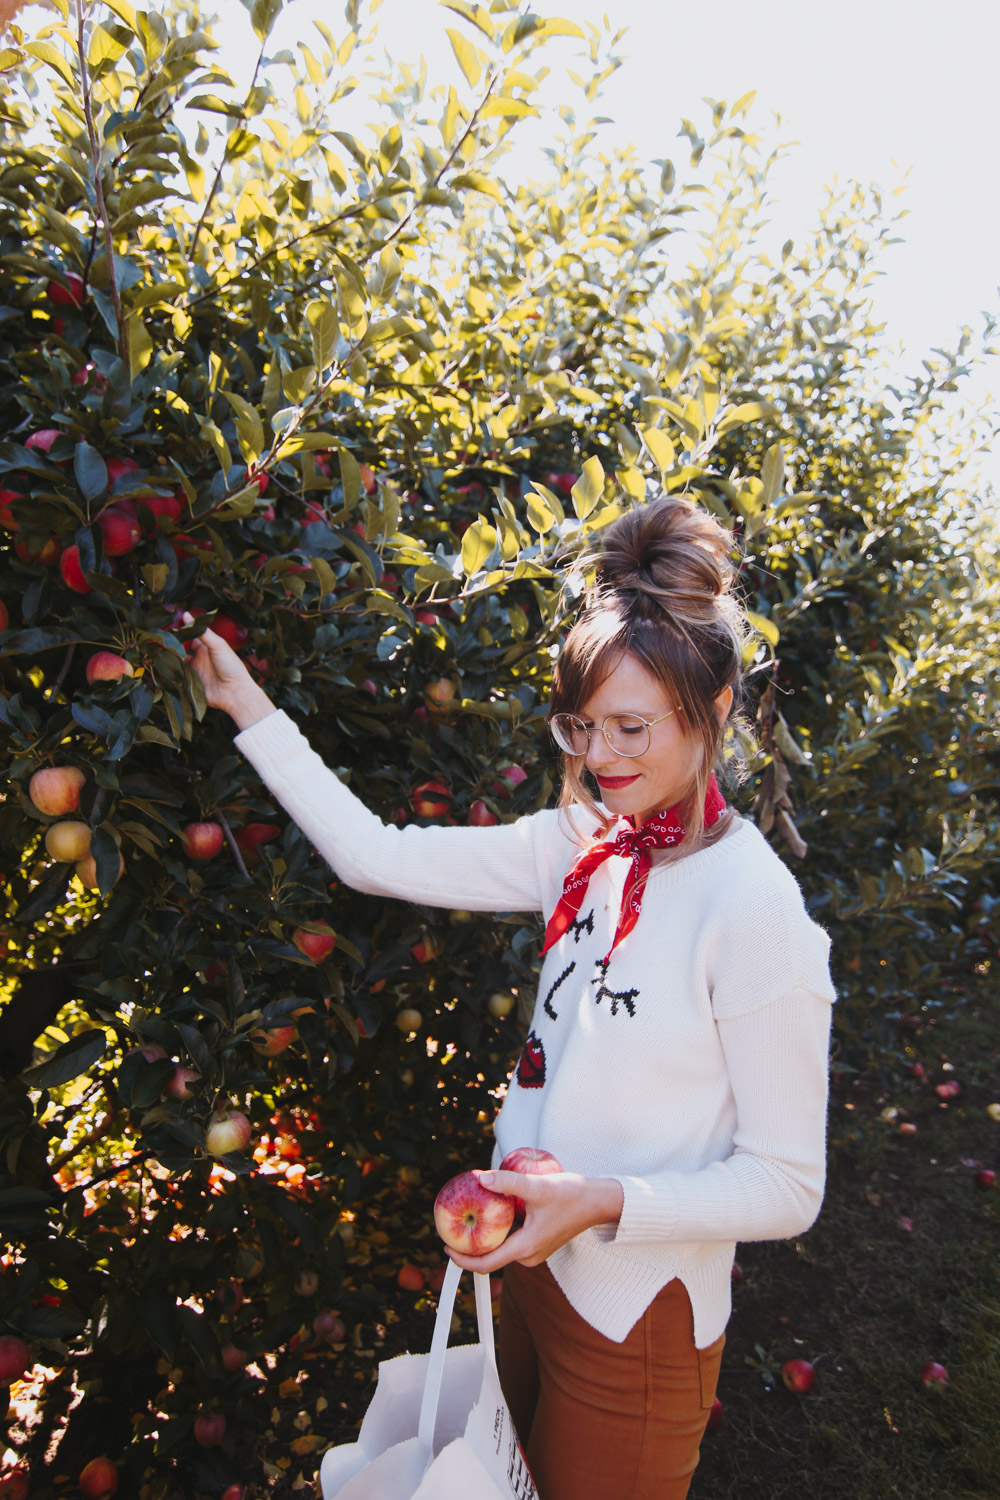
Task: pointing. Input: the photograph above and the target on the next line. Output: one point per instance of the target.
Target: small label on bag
(518, 1474)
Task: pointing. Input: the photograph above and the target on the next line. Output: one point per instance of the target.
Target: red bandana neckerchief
(661, 831)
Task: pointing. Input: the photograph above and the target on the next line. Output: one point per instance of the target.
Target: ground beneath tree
(863, 1297)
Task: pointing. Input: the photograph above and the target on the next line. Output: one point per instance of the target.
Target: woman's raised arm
(478, 869)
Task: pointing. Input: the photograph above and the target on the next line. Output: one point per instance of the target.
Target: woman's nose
(599, 752)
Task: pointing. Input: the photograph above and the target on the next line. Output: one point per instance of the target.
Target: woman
(676, 1064)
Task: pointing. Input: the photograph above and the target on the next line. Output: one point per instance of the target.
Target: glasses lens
(569, 733)
(626, 734)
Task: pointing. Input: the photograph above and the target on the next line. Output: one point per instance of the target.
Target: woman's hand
(558, 1207)
(223, 676)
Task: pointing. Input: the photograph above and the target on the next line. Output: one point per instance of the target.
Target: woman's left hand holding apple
(558, 1207)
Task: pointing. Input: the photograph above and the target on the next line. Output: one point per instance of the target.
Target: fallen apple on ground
(933, 1375)
(471, 1219)
(799, 1375)
(533, 1161)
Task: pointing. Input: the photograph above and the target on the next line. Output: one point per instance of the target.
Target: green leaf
(470, 59)
(540, 513)
(772, 474)
(263, 16)
(350, 478)
(324, 331)
(661, 449)
(68, 1061)
(764, 627)
(749, 411)
(478, 182)
(478, 542)
(588, 488)
(105, 47)
(46, 53)
(477, 15)
(139, 344)
(90, 471)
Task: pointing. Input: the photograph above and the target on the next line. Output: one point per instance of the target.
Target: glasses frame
(625, 714)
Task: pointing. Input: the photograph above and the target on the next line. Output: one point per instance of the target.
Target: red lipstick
(615, 783)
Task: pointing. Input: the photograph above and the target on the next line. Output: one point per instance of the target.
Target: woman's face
(641, 785)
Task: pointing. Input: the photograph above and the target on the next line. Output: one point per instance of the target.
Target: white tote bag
(438, 1427)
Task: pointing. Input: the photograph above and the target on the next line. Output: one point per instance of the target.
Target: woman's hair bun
(669, 551)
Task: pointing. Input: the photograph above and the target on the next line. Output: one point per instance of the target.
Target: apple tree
(358, 402)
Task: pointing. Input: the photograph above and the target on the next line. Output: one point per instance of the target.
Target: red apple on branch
(315, 945)
(106, 666)
(430, 799)
(271, 1042)
(424, 950)
(480, 815)
(98, 1479)
(56, 789)
(471, 1219)
(409, 1019)
(509, 777)
(410, 1278)
(70, 295)
(250, 838)
(71, 572)
(86, 871)
(533, 1161)
(440, 692)
(15, 1358)
(228, 1130)
(328, 1327)
(209, 1429)
(68, 842)
(7, 518)
(117, 466)
(202, 840)
(37, 549)
(120, 530)
(14, 1485)
(41, 441)
(177, 1084)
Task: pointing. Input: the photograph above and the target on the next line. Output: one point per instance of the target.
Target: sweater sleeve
(476, 869)
(771, 1186)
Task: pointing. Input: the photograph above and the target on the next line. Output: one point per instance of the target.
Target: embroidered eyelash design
(617, 997)
(580, 925)
(547, 1007)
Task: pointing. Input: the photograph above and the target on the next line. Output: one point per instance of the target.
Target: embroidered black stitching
(547, 1007)
(580, 925)
(617, 997)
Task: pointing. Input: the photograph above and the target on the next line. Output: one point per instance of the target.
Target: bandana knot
(661, 831)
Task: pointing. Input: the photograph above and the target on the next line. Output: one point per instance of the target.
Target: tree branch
(102, 208)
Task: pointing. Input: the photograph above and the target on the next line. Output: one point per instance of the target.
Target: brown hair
(662, 593)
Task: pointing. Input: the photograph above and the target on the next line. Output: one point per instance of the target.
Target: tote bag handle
(439, 1344)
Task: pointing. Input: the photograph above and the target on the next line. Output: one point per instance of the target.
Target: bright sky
(885, 91)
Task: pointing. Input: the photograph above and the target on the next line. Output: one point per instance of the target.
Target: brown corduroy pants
(600, 1420)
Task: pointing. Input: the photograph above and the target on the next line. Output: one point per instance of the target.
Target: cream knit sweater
(693, 1070)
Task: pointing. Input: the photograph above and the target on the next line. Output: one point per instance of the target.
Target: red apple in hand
(535, 1162)
(471, 1219)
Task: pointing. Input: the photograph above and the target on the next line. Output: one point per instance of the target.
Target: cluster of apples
(473, 1220)
(55, 791)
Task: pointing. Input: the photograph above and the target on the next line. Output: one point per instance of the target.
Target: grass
(868, 1303)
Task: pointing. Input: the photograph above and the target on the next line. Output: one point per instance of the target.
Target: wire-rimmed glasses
(626, 734)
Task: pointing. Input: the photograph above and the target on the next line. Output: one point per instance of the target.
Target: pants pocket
(709, 1362)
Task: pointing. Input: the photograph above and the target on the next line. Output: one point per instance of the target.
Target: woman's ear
(724, 703)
